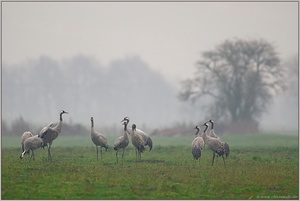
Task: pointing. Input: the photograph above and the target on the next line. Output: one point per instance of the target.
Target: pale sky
(169, 36)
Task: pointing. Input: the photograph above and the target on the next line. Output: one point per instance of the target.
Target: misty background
(111, 60)
(85, 88)
(37, 90)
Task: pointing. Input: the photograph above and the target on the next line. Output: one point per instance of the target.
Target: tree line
(240, 77)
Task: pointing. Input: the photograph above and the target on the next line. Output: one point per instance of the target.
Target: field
(259, 167)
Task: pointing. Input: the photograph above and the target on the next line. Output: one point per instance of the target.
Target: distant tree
(293, 78)
(75, 129)
(19, 126)
(241, 76)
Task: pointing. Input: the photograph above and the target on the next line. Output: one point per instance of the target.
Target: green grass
(234, 140)
(263, 167)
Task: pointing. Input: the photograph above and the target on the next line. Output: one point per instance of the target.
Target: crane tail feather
(149, 143)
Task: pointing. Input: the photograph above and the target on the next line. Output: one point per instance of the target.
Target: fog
(37, 90)
(114, 59)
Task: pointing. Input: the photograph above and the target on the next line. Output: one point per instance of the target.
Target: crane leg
(49, 153)
(123, 154)
(97, 152)
(136, 155)
(213, 159)
(117, 155)
(32, 156)
(223, 159)
(101, 152)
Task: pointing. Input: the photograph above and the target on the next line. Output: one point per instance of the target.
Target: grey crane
(51, 132)
(122, 142)
(32, 143)
(214, 135)
(138, 142)
(147, 140)
(24, 136)
(216, 145)
(197, 144)
(98, 139)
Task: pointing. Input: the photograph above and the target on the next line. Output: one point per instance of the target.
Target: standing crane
(214, 135)
(138, 142)
(25, 135)
(147, 140)
(122, 142)
(197, 144)
(98, 139)
(51, 132)
(216, 145)
(32, 143)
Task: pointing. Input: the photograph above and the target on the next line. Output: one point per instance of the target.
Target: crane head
(210, 121)
(125, 119)
(206, 126)
(63, 112)
(133, 127)
(197, 127)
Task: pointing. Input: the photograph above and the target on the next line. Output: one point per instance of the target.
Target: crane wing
(47, 132)
(145, 137)
(118, 141)
(46, 128)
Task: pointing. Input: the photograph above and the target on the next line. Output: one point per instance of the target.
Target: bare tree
(241, 76)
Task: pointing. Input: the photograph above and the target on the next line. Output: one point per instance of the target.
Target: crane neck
(206, 127)
(133, 132)
(196, 134)
(60, 116)
(125, 132)
(58, 126)
(204, 135)
(212, 125)
(92, 127)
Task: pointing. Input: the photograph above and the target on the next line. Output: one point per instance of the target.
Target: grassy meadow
(259, 167)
